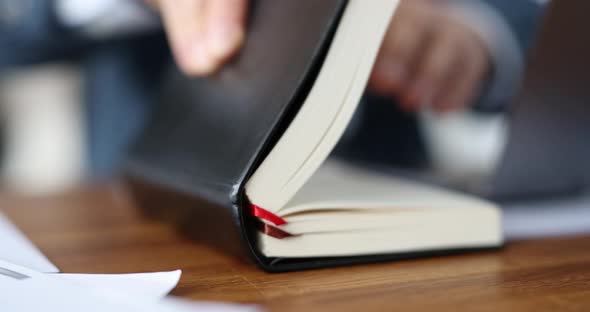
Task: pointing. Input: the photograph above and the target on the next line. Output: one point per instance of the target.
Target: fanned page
(328, 108)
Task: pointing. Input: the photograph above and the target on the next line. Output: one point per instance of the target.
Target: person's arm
(430, 60)
(522, 17)
(43, 30)
(203, 34)
(30, 33)
(507, 29)
(443, 55)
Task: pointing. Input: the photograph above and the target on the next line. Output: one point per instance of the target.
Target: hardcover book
(241, 159)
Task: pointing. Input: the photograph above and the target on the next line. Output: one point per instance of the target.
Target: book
(238, 160)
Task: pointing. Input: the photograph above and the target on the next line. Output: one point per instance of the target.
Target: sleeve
(30, 33)
(507, 28)
(41, 30)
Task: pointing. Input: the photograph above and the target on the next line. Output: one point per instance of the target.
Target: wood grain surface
(96, 229)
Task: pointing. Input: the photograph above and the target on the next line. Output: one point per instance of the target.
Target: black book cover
(207, 136)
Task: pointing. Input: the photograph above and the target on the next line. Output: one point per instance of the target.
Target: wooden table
(96, 229)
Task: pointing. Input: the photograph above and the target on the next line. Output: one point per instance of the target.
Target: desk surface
(98, 230)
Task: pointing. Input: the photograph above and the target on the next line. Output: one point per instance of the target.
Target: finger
(401, 48)
(184, 23)
(467, 84)
(433, 71)
(225, 28)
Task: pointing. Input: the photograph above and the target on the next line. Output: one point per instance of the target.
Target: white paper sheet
(154, 285)
(22, 289)
(16, 248)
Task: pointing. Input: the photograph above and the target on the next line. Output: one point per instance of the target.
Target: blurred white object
(502, 46)
(44, 137)
(151, 286)
(107, 18)
(465, 147)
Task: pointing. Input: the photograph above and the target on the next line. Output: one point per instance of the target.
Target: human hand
(203, 34)
(428, 59)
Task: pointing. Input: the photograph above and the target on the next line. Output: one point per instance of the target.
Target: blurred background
(75, 81)
(43, 132)
(78, 79)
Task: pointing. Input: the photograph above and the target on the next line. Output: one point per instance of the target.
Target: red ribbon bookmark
(271, 230)
(266, 215)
